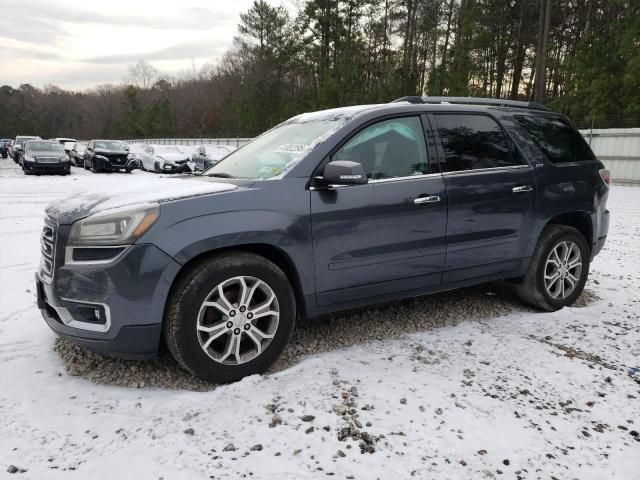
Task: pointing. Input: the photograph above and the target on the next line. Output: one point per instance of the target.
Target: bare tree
(142, 74)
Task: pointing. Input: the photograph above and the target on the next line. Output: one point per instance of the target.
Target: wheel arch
(580, 220)
(272, 253)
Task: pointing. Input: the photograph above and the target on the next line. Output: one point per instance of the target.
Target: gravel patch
(314, 336)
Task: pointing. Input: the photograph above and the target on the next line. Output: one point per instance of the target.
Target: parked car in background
(68, 146)
(327, 211)
(44, 156)
(18, 145)
(5, 144)
(166, 158)
(136, 150)
(206, 156)
(108, 156)
(76, 154)
(63, 140)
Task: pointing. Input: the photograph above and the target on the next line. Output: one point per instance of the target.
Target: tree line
(580, 57)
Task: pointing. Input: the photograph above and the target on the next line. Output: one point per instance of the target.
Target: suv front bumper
(112, 308)
(39, 167)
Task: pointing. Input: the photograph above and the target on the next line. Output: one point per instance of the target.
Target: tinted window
(556, 138)
(108, 145)
(388, 149)
(473, 141)
(33, 146)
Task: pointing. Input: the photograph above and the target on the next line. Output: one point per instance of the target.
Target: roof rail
(496, 102)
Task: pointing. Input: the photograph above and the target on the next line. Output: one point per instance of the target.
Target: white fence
(236, 142)
(619, 150)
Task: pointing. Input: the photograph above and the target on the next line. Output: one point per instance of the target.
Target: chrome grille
(48, 248)
(47, 159)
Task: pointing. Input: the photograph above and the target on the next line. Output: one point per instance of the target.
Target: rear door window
(472, 142)
(556, 138)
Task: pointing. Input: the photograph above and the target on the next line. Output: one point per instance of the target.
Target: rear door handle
(522, 188)
(426, 200)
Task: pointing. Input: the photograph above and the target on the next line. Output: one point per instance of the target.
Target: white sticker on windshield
(291, 148)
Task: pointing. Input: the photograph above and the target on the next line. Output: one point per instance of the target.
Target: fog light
(87, 313)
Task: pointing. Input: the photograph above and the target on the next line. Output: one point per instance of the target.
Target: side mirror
(343, 172)
(127, 148)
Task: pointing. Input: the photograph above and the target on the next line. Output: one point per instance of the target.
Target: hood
(144, 191)
(173, 157)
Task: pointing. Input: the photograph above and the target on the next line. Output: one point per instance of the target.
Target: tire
(95, 169)
(156, 168)
(182, 317)
(533, 290)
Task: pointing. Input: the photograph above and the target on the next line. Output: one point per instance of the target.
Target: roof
(495, 102)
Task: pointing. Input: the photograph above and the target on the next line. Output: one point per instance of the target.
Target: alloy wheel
(563, 270)
(238, 320)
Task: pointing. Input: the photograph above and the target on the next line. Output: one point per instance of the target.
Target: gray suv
(327, 211)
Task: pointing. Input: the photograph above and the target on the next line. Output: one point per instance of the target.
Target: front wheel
(230, 316)
(558, 270)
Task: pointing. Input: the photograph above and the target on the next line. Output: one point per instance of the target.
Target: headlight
(119, 226)
(27, 158)
(63, 159)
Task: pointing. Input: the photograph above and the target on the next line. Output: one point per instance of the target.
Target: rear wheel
(558, 270)
(230, 316)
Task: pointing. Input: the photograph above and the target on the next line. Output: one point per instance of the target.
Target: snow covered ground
(520, 395)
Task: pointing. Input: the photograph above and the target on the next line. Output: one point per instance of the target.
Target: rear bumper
(35, 167)
(603, 230)
(598, 246)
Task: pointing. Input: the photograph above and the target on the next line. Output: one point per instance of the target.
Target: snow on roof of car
(332, 113)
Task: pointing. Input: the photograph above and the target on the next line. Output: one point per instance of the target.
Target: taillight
(605, 175)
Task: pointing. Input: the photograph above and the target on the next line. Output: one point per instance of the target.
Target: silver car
(165, 159)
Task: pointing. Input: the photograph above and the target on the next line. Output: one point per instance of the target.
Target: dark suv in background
(44, 156)
(327, 211)
(108, 156)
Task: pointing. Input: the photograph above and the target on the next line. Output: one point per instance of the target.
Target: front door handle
(522, 188)
(426, 200)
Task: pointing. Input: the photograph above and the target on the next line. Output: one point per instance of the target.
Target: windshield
(108, 145)
(268, 155)
(21, 140)
(44, 147)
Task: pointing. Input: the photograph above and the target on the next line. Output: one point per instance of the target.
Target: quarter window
(472, 142)
(388, 149)
(556, 138)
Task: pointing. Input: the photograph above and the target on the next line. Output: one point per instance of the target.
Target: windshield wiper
(220, 175)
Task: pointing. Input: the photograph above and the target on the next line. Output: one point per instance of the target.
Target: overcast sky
(78, 44)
